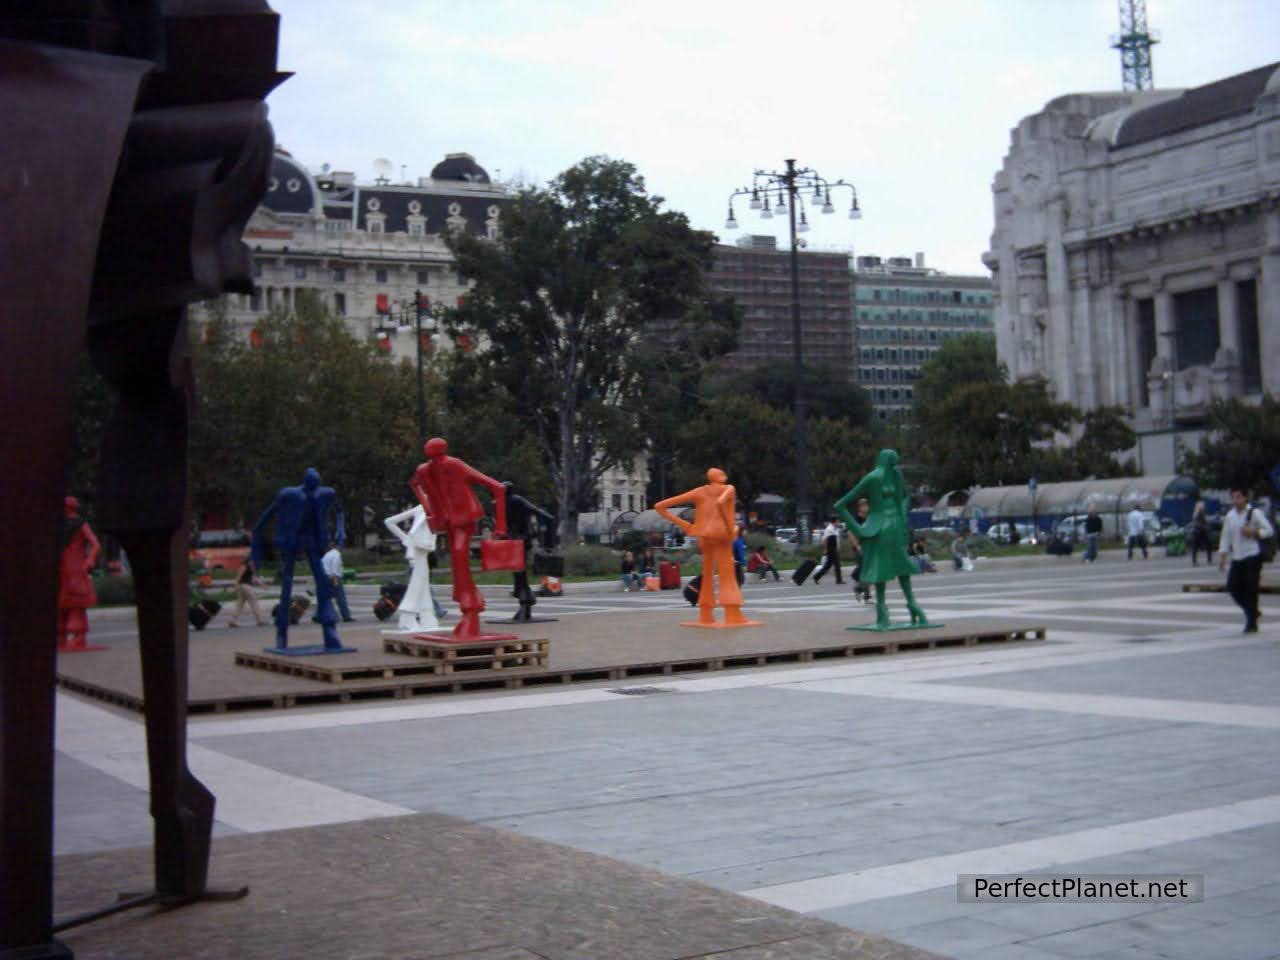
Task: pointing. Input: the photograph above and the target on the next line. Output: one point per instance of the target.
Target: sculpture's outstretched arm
(663, 509)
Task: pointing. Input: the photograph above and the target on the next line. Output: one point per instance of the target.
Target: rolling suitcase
(297, 607)
(802, 572)
(692, 589)
(202, 611)
(669, 575)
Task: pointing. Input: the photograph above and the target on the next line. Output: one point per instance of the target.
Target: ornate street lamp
(787, 185)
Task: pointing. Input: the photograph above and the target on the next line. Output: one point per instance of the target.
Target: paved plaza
(1141, 738)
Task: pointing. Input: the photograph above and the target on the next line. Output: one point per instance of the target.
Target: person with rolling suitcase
(802, 572)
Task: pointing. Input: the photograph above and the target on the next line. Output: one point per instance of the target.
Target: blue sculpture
(302, 524)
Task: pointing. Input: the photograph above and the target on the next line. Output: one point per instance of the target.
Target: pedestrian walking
(861, 589)
(332, 563)
(1200, 534)
(1136, 523)
(831, 544)
(1242, 528)
(1092, 531)
(246, 596)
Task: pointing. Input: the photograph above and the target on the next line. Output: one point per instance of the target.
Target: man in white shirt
(1242, 528)
(831, 543)
(1137, 524)
(332, 563)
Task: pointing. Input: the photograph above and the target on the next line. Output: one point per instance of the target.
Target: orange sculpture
(715, 527)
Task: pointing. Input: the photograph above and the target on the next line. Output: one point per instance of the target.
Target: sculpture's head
(436, 447)
(70, 507)
(716, 475)
(887, 458)
(311, 479)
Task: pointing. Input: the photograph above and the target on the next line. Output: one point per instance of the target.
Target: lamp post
(787, 188)
(419, 308)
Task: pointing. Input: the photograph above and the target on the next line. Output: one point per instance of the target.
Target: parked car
(220, 549)
(786, 534)
(1002, 532)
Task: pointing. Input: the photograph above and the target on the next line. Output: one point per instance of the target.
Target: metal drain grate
(641, 691)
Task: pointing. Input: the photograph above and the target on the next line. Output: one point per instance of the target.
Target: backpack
(1267, 545)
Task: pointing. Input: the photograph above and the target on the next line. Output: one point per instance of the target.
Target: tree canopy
(827, 392)
(1241, 447)
(588, 271)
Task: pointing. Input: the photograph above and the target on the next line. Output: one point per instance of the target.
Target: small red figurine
(75, 588)
(443, 487)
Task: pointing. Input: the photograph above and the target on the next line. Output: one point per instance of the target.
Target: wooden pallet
(311, 669)
(447, 657)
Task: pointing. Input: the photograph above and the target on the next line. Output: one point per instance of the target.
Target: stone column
(1061, 346)
(1166, 325)
(1225, 377)
(1269, 303)
(1228, 322)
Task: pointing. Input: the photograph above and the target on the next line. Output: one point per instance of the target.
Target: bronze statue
(134, 145)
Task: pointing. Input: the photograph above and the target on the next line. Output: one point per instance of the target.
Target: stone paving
(1141, 738)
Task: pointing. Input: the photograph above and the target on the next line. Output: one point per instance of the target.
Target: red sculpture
(715, 527)
(75, 588)
(443, 487)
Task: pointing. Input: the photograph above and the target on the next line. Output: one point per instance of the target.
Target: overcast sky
(910, 100)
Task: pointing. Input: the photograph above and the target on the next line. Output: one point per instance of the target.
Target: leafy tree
(1241, 447)
(1105, 432)
(992, 432)
(309, 394)
(827, 392)
(839, 455)
(93, 405)
(967, 359)
(746, 438)
(587, 269)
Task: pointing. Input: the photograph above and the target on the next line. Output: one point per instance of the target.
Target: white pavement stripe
(204, 728)
(930, 873)
(940, 665)
(250, 797)
(1138, 708)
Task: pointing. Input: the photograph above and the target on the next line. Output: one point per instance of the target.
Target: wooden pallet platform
(448, 657)
(596, 650)
(330, 669)
(1222, 588)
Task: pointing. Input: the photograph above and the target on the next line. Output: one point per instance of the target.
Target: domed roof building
(368, 252)
(1136, 252)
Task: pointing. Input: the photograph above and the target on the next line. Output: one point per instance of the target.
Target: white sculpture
(417, 610)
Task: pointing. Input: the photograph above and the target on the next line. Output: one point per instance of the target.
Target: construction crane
(1134, 43)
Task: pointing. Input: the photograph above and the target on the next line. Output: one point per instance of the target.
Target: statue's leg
(143, 502)
(287, 560)
(917, 615)
(325, 607)
(882, 608)
(465, 592)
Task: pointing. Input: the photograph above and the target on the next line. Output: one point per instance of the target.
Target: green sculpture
(884, 537)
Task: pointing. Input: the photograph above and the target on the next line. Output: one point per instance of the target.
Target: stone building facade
(1136, 250)
(365, 250)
